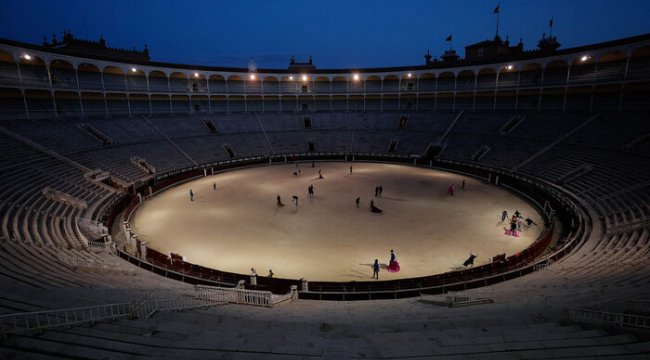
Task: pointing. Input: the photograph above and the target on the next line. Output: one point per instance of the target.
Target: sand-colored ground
(239, 225)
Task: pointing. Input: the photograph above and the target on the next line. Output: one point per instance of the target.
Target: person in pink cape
(393, 265)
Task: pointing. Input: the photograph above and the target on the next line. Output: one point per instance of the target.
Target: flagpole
(499, 11)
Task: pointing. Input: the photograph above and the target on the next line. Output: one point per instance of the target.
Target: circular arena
(239, 224)
(144, 205)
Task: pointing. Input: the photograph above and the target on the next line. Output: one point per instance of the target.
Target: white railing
(142, 309)
(23, 322)
(92, 264)
(110, 246)
(243, 296)
(90, 222)
(608, 318)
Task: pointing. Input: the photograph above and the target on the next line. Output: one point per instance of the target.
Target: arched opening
(508, 76)
(200, 103)
(63, 75)
(236, 85)
(139, 103)
(635, 96)
(578, 98)
(465, 80)
(506, 100)
(355, 103)
(40, 103)
(67, 103)
(391, 84)
(158, 82)
(427, 102)
(528, 99)
(611, 66)
(606, 97)
(136, 80)
(408, 83)
(407, 102)
(464, 100)
(555, 73)
(445, 100)
(339, 84)
(180, 104)
(254, 103)
(373, 84)
(254, 85)
(321, 85)
(117, 104)
(218, 103)
(271, 103)
(93, 103)
(12, 104)
(90, 78)
(639, 65)
(322, 103)
(339, 103)
(373, 102)
(484, 100)
(8, 70)
(289, 103)
(583, 70)
(390, 102)
(446, 81)
(530, 75)
(305, 103)
(236, 103)
(356, 85)
(427, 83)
(160, 104)
(486, 79)
(114, 79)
(33, 71)
(217, 84)
(552, 99)
(198, 83)
(271, 85)
(178, 84)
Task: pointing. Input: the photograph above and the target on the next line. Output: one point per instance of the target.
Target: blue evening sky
(337, 33)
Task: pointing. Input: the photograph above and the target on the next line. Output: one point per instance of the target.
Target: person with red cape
(393, 265)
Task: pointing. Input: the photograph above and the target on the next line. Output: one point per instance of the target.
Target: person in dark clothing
(375, 270)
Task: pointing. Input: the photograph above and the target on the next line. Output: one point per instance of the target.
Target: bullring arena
(327, 237)
(136, 196)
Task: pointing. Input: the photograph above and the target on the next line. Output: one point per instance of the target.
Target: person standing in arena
(504, 215)
(375, 270)
(310, 190)
(393, 265)
(191, 195)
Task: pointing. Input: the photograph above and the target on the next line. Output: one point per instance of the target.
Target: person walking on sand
(310, 190)
(191, 195)
(375, 270)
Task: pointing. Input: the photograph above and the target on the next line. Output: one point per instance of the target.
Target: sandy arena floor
(239, 225)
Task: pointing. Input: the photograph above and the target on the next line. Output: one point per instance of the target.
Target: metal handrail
(610, 318)
(39, 320)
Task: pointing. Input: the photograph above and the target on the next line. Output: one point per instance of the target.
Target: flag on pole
(496, 10)
(448, 38)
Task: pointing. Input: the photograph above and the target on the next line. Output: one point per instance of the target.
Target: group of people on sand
(515, 222)
(393, 265)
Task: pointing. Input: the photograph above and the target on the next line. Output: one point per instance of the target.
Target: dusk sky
(337, 33)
